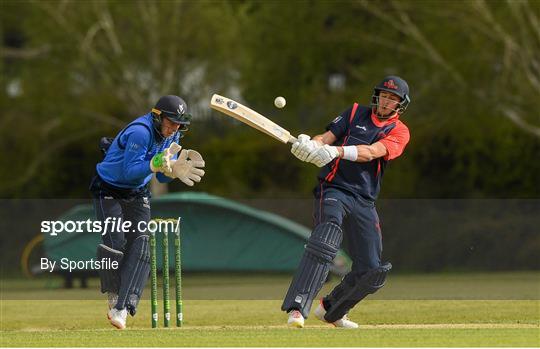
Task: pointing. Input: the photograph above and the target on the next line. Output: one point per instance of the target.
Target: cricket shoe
(117, 318)
(296, 319)
(112, 298)
(344, 322)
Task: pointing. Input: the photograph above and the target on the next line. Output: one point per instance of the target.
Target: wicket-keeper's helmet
(173, 108)
(396, 85)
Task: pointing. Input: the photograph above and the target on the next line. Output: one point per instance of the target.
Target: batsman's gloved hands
(304, 146)
(323, 155)
(162, 162)
(188, 167)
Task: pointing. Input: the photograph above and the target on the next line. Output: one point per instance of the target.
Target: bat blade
(250, 117)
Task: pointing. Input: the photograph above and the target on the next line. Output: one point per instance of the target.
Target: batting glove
(304, 146)
(323, 155)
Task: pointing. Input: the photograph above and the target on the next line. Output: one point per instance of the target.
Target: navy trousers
(358, 220)
(128, 204)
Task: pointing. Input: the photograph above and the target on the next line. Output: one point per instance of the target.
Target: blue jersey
(127, 162)
(355, 126)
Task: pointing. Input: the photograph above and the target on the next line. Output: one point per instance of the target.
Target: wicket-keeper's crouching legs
(320, 251)
(130, 249)
(368, 273)
(135, 269)
(107, 205)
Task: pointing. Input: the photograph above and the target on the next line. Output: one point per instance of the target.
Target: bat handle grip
(292, 139)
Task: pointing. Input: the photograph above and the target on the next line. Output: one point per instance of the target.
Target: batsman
(146, 146)
(353, 154)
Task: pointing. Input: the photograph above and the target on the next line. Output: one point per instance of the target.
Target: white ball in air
(280, 102)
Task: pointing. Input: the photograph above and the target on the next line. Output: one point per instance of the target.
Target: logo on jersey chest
(363, 128)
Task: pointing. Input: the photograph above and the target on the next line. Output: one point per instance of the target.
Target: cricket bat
(250, 117)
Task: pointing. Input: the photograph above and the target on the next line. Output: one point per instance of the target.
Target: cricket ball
(280, 102)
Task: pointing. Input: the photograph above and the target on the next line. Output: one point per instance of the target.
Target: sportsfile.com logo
(109, 225)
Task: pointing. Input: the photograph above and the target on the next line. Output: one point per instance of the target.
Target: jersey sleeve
(396, 140)
(340, 124)
(136, 140)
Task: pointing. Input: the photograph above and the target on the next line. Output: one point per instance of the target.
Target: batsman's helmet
(396, 85)
(173, 108)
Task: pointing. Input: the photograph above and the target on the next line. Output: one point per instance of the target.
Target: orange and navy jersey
(358, 125)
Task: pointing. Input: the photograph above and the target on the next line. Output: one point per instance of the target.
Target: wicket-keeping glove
(188, 167)
(162, 162)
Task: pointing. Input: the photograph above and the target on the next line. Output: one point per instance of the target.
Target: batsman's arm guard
(110, 278)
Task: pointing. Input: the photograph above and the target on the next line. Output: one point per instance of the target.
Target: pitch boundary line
(308, 327)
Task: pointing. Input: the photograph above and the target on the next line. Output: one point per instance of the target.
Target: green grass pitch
(478, 310)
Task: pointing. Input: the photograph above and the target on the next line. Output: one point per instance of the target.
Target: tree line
(75, 71)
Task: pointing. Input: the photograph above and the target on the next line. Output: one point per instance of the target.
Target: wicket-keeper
(146, 146)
